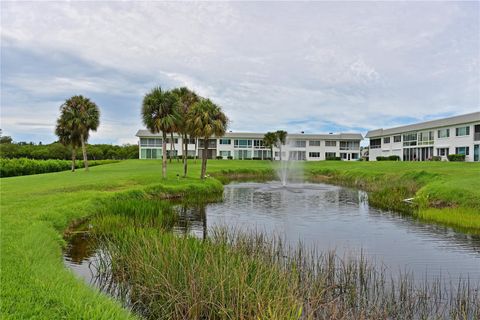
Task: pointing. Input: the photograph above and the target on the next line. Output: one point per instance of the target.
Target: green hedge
(389, 158)
(24, 166)
(456, 157)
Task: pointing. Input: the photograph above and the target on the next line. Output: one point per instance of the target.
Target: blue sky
(313, 67)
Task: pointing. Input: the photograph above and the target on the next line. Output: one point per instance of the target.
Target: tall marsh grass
(248, 275)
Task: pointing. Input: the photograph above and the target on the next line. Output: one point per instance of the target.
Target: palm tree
(270, 140)
(187, 99)
(281, 140)
(160, 114)
(80, 115)
(205, 119)
(68, 137)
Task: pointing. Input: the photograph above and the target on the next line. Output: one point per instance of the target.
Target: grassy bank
(36, 209)
(443, 192)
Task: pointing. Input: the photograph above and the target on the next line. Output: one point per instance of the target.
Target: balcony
(476, 136)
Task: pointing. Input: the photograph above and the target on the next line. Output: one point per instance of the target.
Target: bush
(219, 158)
(229, 157)
(24, 166)
(436, 158)
(389, 158)
(334, 158)
(256, 158)
(456, 157)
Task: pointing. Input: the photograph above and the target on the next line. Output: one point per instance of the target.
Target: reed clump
(248, 275)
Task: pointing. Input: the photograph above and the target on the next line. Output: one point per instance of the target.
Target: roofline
(437, 123)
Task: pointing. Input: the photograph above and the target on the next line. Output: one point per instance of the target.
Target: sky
(316, 67)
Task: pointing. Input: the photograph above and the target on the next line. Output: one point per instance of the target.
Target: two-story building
(422, 141)
(247, 145)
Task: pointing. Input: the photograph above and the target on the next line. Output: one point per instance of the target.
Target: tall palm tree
(205, 119)
(81, 115)
(281, 140)
(160, 114)
(270, 140)
(187, 99)
(68, 137)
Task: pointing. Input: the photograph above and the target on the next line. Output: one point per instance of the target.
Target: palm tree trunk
(204, 159)
(171, 147)
(74, 156)
(84, 151)
(164, 156)
(185, 156)
(271, 153)
(195, 155)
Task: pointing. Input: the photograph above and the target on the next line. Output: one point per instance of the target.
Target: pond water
(325, 217)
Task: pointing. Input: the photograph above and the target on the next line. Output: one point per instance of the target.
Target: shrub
(389, 158)
(219, 158)
(256, 158)
(436, 158)
(229, 157)
(333, 158)
(24, 166)
(456, 157)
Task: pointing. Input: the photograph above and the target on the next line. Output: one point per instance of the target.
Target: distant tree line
(10, 149)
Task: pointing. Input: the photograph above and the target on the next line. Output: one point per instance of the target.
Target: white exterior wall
(452, 142)
(322, 149)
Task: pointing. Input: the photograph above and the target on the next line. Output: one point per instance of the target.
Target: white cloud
(354, 65)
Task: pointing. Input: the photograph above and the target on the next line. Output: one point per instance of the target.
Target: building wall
(297, 149)
(472, 141)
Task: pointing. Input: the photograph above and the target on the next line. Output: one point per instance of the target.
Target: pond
(324, 217)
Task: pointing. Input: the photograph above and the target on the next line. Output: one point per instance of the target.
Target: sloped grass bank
(34, 283)
(444, 193)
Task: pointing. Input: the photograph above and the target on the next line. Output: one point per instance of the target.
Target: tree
(205, 119)
(270, 140)
(281, 140)
(80, 115)
(160, 114)
(187, 99)
(6, 139)
(68, 136)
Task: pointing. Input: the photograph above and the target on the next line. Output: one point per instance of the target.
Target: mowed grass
(36, 209)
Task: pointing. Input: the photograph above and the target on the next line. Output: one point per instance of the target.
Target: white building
(422, 141)
(240, 145)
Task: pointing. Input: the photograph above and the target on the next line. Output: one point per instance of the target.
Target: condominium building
(422, 141)
(244, 145)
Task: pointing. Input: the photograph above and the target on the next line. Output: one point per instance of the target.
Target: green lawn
(36, 209)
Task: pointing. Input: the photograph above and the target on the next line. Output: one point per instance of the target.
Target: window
(150, 142)
(242, 143)
(330, 143)
(175, 140)
(150, 154)
(314, 143)
(442, 152)
(297, 155)
(225, 141)
(299, 143)
(354, 156)
(397, 138)
(462, 131)
(314, 154)
(349, 145)
(443, 133)
(242, 154)
(425, 137)
(225, 153)
(330, 155)
(386, 140)
(375, 143)
(410, 139)
(462, 150)
(258, 144)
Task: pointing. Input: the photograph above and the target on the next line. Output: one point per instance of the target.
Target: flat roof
(450, 121)
(254, 135)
